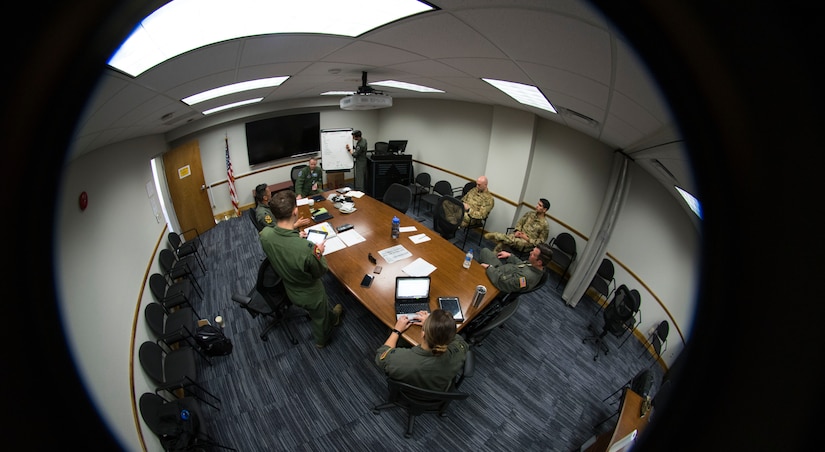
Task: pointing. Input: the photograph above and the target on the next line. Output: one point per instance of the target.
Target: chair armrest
(509, 230)
(241, 299)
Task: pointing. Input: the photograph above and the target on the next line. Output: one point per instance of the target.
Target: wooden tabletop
(373, 220)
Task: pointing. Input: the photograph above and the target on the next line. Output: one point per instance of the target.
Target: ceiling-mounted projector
(366, 98)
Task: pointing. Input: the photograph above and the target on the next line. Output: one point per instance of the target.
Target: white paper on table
(332, 245)
(419, 238)
(419, 267)
(351, 237)
(303, 202)
(355, 194)
(394, 254)
(407, 229)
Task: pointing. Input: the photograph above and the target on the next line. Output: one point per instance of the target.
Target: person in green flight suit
(531, 229)
(310, 180)
(515, 275)
(301, 264)
(434, 362)
(359, 154)
(263, 215)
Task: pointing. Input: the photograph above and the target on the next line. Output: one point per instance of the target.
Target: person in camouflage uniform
(310, 180)
(530, 230)
(478, 202)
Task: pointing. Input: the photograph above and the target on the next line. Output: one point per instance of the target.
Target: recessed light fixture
(232, 105)
(407, 86)
(183, 25)
(525, 94)
(337, 93)
(233, 88)
(691, 201)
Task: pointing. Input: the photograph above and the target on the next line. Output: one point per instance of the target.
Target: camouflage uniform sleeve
(301, 181)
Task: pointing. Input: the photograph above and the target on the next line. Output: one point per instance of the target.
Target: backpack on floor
(177, 427)
(212, 341)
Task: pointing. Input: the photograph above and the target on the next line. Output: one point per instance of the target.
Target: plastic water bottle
(396, 227)
(468, 258)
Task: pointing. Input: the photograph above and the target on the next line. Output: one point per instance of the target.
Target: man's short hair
(260, 191)
(545, 203)
(356, 133)
(545, 254)
(282, 204)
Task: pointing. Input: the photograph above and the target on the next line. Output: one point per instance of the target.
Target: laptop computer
(412, 294)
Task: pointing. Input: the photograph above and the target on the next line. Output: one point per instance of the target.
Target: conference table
(372, 219)
(630, 419)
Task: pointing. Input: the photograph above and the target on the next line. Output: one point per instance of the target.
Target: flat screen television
(396, 146)
(282, 137)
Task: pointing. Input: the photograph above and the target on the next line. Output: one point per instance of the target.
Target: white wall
(104, 253)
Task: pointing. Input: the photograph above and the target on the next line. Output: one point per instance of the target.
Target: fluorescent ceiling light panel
(232, 105)
(407, 86)
(234, 88)
(338, 93)
(184, 25)
(691, 201)
(525, 94)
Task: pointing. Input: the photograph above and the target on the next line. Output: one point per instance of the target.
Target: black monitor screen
(397, 146)
(281, 137)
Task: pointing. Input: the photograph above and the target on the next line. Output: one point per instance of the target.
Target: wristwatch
(395, 331)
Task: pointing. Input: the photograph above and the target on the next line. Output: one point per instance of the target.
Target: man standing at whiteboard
(359, 155)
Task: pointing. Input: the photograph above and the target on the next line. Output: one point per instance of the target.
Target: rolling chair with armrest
(293, 174)
(253, 217)
(447, 216)
(269, 299)
(417, 401)
(621, 310)
(496, 313)
(398, 196)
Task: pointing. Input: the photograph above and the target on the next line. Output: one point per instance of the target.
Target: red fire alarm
(83, 201)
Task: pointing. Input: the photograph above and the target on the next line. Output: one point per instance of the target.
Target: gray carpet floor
(536, 385)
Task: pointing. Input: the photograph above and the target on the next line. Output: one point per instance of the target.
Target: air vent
(170, 118)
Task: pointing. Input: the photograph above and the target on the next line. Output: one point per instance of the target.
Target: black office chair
(657, 340)
(293, 174)
(254, 219)
(617, 314)
(269, 299)
(179, 423)
(441, 188)
(478, 328)
(417, 401)
(641, 383)
(174, 370)
(175, 269)
(420, 187)
(382, 147)
(447, 216)
(172, 295)
(631, 323)
(564, 253)
(477, 335)
(601, 283)
(190, 247)
(398, 196)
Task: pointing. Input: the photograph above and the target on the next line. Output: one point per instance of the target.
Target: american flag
(231, 177)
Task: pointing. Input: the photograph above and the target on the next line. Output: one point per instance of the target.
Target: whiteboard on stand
(334, 149)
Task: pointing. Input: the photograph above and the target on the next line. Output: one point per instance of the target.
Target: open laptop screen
(412, 288)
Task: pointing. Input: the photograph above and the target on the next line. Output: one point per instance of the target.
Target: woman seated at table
(434, 362)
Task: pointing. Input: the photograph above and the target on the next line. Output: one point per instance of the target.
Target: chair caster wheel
(407, 435)
(264, 338)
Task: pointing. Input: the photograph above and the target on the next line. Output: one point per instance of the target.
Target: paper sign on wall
(184, 171)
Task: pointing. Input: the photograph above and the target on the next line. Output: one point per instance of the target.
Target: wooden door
(187, 189)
